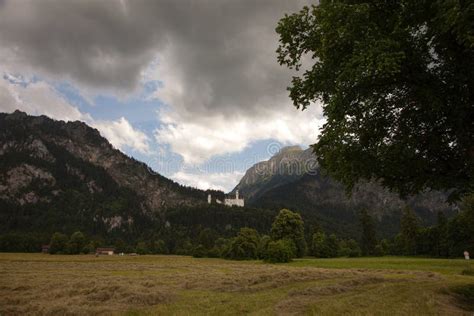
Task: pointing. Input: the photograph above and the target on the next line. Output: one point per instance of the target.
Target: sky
(192, 88)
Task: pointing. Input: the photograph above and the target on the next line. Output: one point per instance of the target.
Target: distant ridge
(292, 178)
(53, 165)
(287, 165)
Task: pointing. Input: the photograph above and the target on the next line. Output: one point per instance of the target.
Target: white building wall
(229, 202)
(236, 202)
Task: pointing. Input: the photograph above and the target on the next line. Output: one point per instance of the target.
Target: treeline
(243, 233)
(448, 238)
(27, 228)
(286, 241)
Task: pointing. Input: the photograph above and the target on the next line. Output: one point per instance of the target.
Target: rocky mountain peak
(289, 149)
(288, 164)
(48, 146)
(291, 179)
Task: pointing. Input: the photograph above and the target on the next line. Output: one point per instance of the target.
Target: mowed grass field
(174, 285)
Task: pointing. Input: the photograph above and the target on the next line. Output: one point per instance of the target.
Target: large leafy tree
(395, 79)
(289, 225)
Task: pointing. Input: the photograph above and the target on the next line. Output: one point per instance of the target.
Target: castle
(229, 202)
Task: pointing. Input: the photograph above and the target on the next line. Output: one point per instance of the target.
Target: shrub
(89, 248)
(184, 248)
(349, 248)
(182, 252)
(158, 247)
(244, 246)
(199, 251)
(142, 248)
(318, 244)
(279, 251)
(214, 252)
(58, 244)
(222, 244)
(241, 250)
(378, 251)
(207, 238)
(332, 246)
(263, 245)
(354, 248)
(77, 242)
(323, 246)
(354, 252)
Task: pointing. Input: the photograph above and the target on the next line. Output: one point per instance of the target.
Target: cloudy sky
(192, 88)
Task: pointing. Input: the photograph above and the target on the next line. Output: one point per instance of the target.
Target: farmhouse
(45, 249)
(105, 251)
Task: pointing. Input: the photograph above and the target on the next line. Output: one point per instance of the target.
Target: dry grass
(61, 285)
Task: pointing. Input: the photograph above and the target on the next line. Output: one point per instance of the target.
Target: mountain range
(292, 178)
(58, 176)
(61, 176)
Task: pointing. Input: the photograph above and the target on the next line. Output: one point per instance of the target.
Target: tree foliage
(318, 245)
(395, 79)
(279, 251)
(58, 243)
(244, 246)
(290, 225)
(368, 241)
(77, 242)
(349, 248)
(142, 248)
(409, 232)
(450, 237)
(207, 238)
(199, 251)
(323, 246)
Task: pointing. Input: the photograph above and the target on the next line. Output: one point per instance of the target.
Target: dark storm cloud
(222, 52)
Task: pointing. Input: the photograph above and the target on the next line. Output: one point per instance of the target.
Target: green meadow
(178, 285)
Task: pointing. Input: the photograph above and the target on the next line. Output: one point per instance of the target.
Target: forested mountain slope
(293, 179)
(59, 176)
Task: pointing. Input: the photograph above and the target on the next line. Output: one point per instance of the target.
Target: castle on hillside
(229, 202)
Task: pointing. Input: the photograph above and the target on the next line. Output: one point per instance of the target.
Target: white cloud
(202, 121)
(224, 181)
(40, 98)
(7, 100)
(202, 138)
(121, 134)
(218, 70)
(37, 98)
